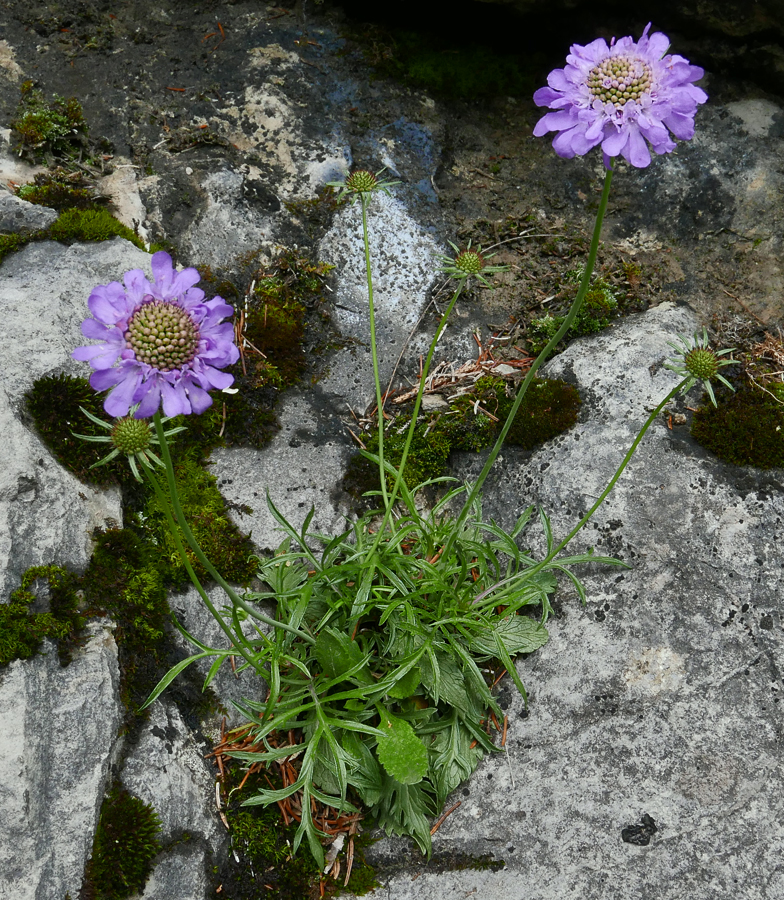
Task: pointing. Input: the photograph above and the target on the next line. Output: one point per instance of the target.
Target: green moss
(21, 632)
(126, 579)
(126, 842)
(53, 402)
(90, 225)
(549, 407)
(225, 546)
(73, 225)
(58, 191)
(746, 429)
(56, 127)
(599, 308)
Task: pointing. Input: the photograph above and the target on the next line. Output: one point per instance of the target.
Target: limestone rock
(57, 742)
(166, 768)
(651, 738)
(19, 216)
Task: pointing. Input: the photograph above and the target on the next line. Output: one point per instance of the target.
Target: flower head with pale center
(629, 97)
(160, 342)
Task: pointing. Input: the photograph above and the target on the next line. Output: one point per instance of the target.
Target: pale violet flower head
(160, 342)
(629, 97)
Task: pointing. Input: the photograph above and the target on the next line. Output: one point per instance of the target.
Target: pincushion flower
(160, 342)
(625, 96)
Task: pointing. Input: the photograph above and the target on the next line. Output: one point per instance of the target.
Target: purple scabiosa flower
(621, 97)
(159, 342)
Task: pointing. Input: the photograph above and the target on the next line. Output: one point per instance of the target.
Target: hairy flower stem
(364, 202)
(567, 324)
(236, 600)
(414, 415)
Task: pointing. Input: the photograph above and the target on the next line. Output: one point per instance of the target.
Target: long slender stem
(364, 201)
(611, 484)
(237, 641)
(415, 414)
(199, 554)
(540, 359)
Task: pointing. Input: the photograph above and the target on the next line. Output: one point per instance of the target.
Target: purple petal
(614, 143)
(119, 401)
(557, 80)
(200, 400)
(162, 272)
(107, 305)
(562, 144)
(658, 45)
(184, 282)
(555, 121)
(546, 96)
(681, 126)
(637, 152)
(148, 396)
(175, 400)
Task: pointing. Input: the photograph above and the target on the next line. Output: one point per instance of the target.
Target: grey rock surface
(167, 769)
(657, 703)
(651, 749)
(47, 515)
(58, 737)
(229, 685)
(179, 874)
(18, 215)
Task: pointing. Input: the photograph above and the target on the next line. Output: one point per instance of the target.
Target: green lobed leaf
(400, 751)
(519, 634)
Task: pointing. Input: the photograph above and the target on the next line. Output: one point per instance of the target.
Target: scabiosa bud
(470, 262)
(696, 361)
(361, 184)
(129, 437)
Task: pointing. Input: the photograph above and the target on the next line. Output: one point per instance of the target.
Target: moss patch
(204, 508)
(126, 842)
(22, 631)
(550, 407)
(59, 190)
(90, 225)
(746, 429)
(73, 225)
(45, 129)
(53, 403)
(599, 308)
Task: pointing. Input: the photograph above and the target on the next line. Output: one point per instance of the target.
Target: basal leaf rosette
(159, 342)
(625, 96)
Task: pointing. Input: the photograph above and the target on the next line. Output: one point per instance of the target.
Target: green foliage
(599, 308)
(383, 684)
(225, 546)
(745, 429)
(59, 190)
(90, 225)
(53, 401)
(126, 842)
(549, 408)
(73, 225)
(21, 631)
(55, 128)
